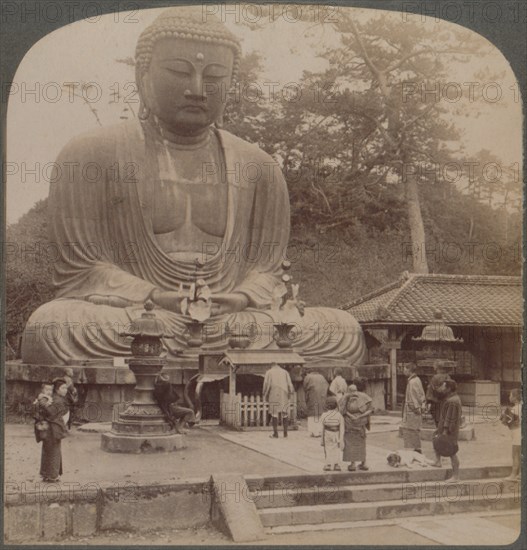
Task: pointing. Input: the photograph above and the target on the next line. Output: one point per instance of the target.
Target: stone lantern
(438, 332)
(437, 340)
(142, 426)
(437, 343)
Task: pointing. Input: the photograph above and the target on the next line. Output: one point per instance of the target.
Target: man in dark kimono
(449, 423)
(433, 396)
(167, 399)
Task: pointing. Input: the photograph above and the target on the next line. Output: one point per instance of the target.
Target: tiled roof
(484, 300)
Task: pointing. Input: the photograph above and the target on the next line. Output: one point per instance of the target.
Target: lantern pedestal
(142, 427)
(118, 443)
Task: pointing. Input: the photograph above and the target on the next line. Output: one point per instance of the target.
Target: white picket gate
(249, 411)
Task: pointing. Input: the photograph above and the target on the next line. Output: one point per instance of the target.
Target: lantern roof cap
(438, 331)
(147, 325)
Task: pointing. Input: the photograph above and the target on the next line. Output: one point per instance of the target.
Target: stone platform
(466, 433)
(116, 443)
(101, 384)
(104, 383)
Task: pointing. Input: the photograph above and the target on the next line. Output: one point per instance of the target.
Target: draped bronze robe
(101, 208)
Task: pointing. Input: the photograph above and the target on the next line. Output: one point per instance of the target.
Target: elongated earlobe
(144, 111)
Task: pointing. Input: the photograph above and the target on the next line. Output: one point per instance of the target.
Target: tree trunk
(417, 228)
(394, 143)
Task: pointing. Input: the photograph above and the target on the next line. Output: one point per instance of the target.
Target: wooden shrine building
(481, 317)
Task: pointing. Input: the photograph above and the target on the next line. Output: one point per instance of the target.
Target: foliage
(29, 264)
(361, 136)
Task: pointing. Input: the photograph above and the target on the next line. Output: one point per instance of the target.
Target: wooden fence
(251, 411)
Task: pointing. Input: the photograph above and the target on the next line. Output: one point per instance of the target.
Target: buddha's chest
(188, 192)
(199, 205)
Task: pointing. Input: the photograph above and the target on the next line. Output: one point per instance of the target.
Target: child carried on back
(44, 399)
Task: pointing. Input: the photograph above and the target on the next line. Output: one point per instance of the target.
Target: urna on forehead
(189, 23)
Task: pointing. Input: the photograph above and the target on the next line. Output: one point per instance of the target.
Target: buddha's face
(187, 82)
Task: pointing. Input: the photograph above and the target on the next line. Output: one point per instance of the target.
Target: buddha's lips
(202, 108)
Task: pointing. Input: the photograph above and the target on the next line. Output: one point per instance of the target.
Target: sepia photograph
(262, 274)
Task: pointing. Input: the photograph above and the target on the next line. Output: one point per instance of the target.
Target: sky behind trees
(44, 113)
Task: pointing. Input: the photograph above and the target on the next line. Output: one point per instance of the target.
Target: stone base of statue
(142, 427)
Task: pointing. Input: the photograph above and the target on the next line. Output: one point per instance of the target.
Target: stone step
(368, 511)
(334, 494)
(275, 482)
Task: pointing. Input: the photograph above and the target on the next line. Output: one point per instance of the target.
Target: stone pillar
(393, 343)
(393, 378)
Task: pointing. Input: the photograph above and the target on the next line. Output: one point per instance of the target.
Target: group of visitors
(336, 412)
(444, 404)
(340, 415)
(53, 413)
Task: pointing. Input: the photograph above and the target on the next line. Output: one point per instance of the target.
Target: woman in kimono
(54, 414)
(356, 408)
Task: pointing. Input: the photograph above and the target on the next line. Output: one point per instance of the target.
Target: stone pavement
(85, 462)
(491, 446)
(461, 531)
(212, 448)
(496, 529)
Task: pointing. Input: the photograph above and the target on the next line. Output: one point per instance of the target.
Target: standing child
(512, 419)
(338, 386)
(332, 434)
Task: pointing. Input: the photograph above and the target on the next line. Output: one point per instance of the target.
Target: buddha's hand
(228, 302)
(167, 299)
(112, 301)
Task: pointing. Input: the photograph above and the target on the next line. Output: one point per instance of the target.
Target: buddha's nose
(196, 91)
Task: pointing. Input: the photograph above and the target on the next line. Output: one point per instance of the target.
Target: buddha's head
(186, 63)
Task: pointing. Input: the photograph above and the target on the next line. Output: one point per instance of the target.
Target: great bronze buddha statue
(134, 205)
